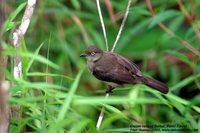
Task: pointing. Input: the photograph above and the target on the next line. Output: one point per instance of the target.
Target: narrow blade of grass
(68, 99)
(13, 52)
(115, 100)
(184, 82)
(48, 74)
(32, 59)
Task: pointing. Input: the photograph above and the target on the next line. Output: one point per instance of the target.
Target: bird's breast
(90, 66)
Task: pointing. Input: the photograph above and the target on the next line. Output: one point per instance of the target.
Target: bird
(116, 70)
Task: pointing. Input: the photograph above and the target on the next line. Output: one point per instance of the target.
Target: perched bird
(117, 70)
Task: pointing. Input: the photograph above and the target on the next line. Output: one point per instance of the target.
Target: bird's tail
(155, 84)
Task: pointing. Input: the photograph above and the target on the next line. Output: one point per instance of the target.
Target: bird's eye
(93, 53)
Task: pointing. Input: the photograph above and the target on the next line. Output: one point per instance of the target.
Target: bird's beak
(83, 55)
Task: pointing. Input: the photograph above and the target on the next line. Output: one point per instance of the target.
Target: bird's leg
(109, 89)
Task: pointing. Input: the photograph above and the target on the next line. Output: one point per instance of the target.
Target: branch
(122, 26)
(190, 17)
(4, 108)
(101, 115)
(102, 24)
(171, 33)
(83, 31)
(110, 11)
(19, 34)
(107, 48)
(114, 45)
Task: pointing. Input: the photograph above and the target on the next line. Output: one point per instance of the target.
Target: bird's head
(92, 53)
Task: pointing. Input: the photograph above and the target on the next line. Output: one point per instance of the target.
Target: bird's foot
(109, 89)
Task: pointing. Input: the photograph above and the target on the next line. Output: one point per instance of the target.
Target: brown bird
(116, 70)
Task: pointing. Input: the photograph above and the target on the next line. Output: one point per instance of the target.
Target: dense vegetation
(58, 94)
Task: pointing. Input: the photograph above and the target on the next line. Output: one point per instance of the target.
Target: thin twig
(102, 24)
(19, 34)
(189, 18)
(83, 31)
(192, 14)
(185, 12)
(122, 26)
(107, 48)
(171, 33)
(101, 115)
(114, 45)
(110, 11)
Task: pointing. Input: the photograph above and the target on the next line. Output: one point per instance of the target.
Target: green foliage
(57, 93)
(161, 17)
(9, 24)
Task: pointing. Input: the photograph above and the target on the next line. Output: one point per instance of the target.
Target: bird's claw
(109, 89)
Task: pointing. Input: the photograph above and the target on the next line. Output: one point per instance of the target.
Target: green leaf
(32, 59)
(12, 52)
(197, 68)
(68, 99)
(140, 11)
(114, 100)
(76, 4)
(9, 24)
(163, 16)
(180, 101)
(180, 56)
(55, 127)
(79, 127)
(177, 22)
(39, 85)
(24, 59)
(115, 110)
(162, 67)
(185, 82)
(34, 74)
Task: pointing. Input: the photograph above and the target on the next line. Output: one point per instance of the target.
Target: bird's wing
(128, 65)
(116, 75)
(120, 70)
